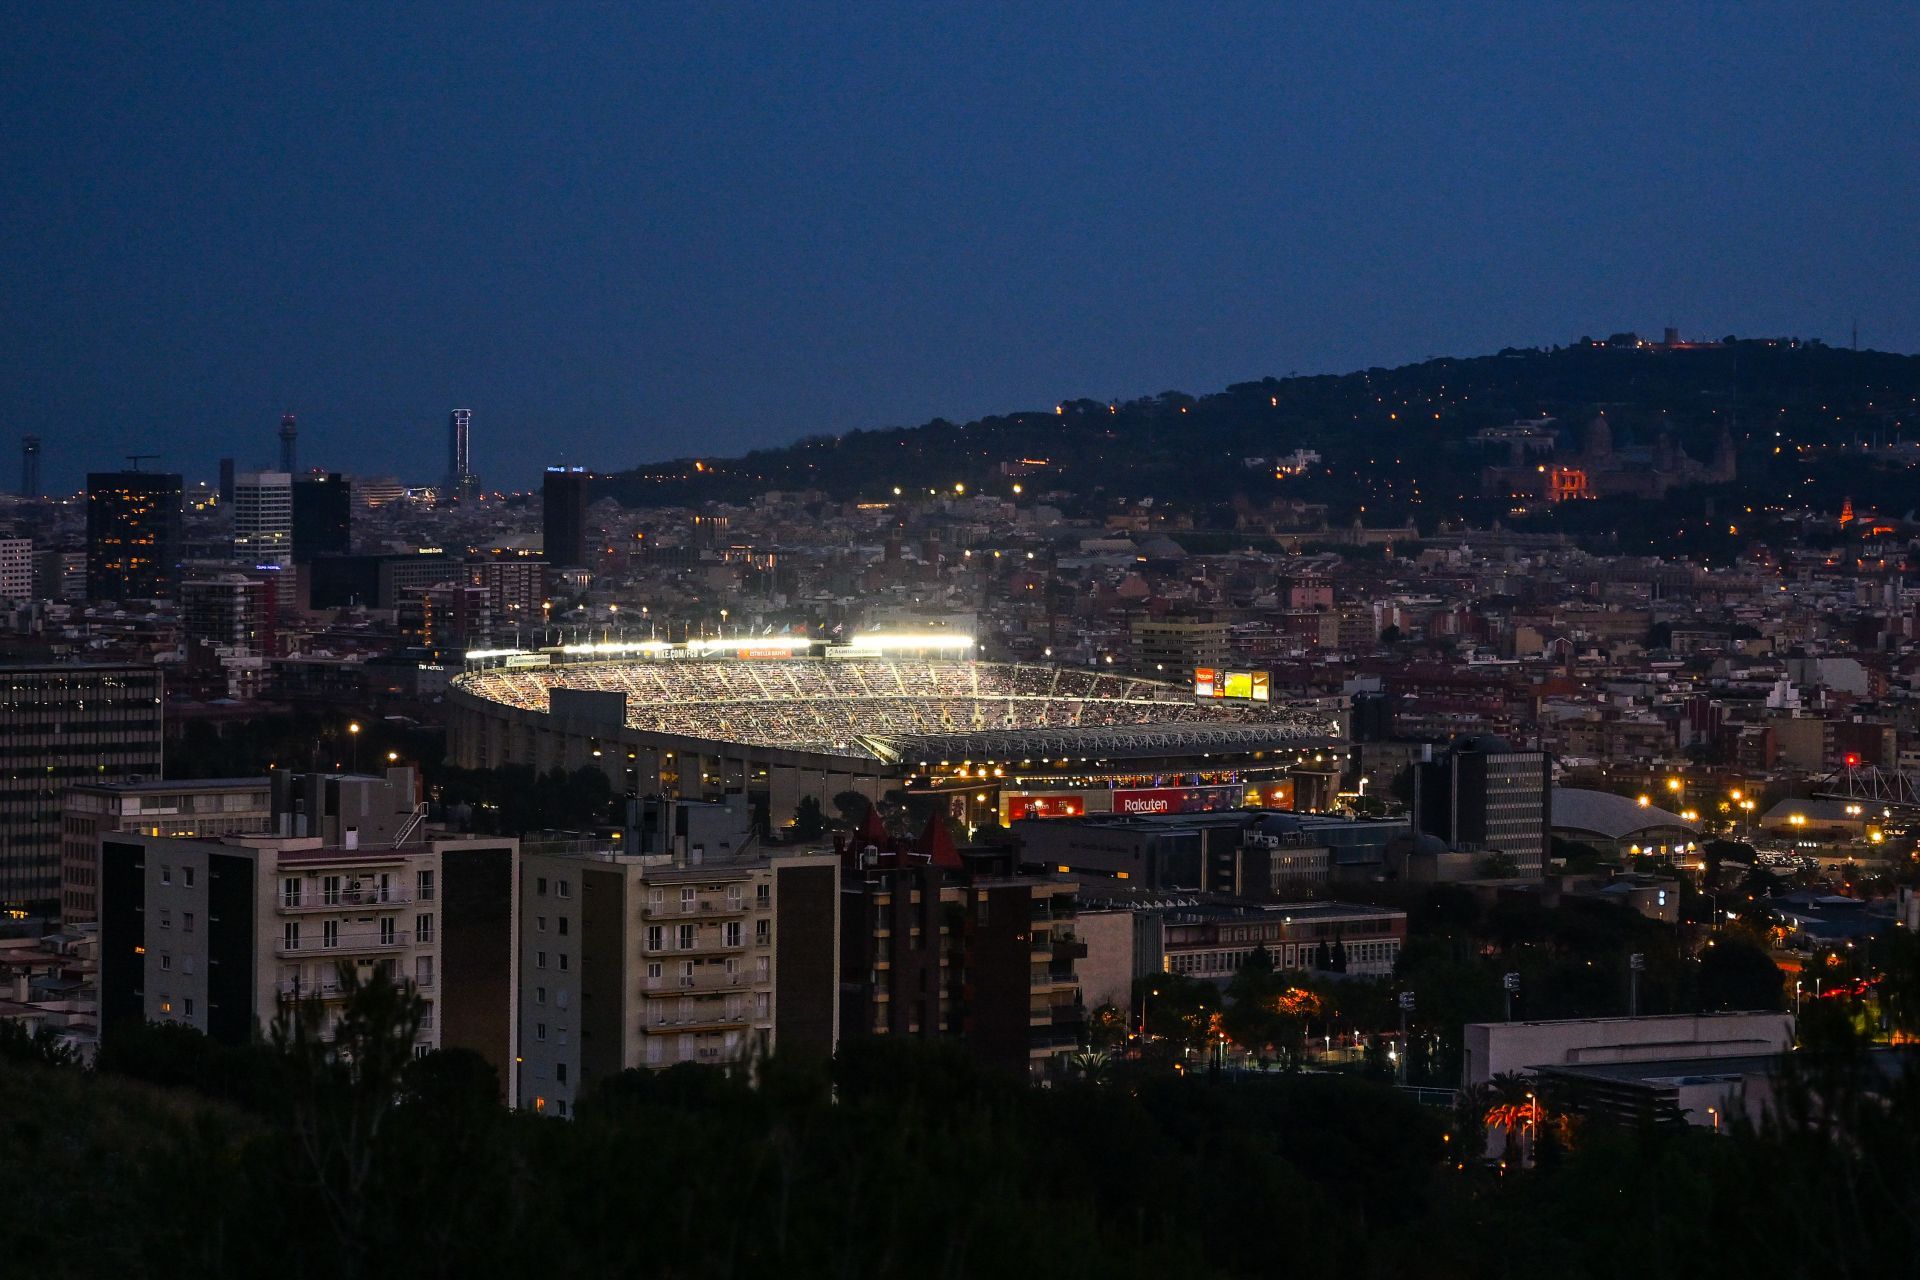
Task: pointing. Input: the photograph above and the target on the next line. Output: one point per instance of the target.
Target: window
(423, 886)
(539, 1031)
(330, 891)
(166, 962)
(763, 896)
(689, 935)
(186, 876)
(560, 1106)
(733, 897)
(166, 918)
(166, 874)
(539, 924)
(762, 932)
(330, 933)
(653, 970)
(423, 928)
(290, 935)
(540, 885)
(186, 922)
(686, 899)
(422, 1050)
(186, 1006)
(563, 961)
(656, 938)
(561, 999)
(539, 995)
(560, 1068)
(560, 1037)
(186, 965)
(290, 892)
(734, 935)
(386, 931)
(562, 922)
(762, 1004)
(655, 897)
(423, 971)
(561, 887)
(539, 959)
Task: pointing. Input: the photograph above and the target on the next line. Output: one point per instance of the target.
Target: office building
(289, 452)
(62, 725)
(59, 575)
(322, 516)
(16, 569)
(460, 480)
(227, 475)
(263, 528)
(223, 935)
(1482, 796)
(133, 535)
(563, 509)
(718, 953)
(939, 946)
(207, 807)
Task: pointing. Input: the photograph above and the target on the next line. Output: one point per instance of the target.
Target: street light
(353, 732)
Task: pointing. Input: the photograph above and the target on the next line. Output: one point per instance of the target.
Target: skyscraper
(30, 466)
(322, 516)
(563, 511)
(288, 454)
(133, 535)
(226, 482)
(263, 527)
(460, 481)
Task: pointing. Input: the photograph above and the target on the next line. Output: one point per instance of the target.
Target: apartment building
(222, 935)
(204, 807)
(633, 959)
(937, 944)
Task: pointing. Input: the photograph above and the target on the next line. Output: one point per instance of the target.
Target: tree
(345, 1089)
(1736, 974)
(852, 808)
(809, 823)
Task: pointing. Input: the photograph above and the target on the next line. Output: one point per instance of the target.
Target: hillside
(1394, 443)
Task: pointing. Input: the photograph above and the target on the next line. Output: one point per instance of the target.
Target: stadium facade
(780, 719)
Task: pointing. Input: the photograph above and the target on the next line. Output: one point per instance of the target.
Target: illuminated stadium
(784, 718)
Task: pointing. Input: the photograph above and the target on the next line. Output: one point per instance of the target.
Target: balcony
(345, 900)
(710, 1020)
(704, 907)
(346, 946)
(657, 988)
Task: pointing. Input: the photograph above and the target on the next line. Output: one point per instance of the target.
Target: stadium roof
(1105, 741)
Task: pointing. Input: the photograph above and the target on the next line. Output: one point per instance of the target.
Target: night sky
(649, 230)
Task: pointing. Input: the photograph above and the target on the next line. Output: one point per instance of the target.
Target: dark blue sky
(639, 231)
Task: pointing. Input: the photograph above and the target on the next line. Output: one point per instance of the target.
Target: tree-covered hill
(1394, 443)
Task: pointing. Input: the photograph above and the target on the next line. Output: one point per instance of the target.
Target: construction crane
(137, 458)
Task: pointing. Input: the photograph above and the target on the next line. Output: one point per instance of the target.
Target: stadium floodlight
(481, 655)
(615, 646)
(883, 641)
